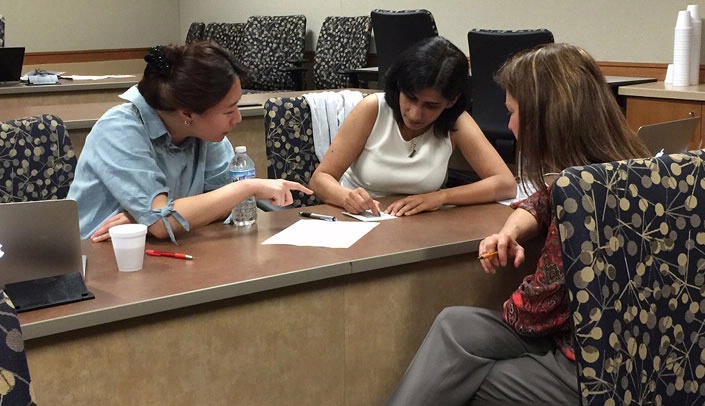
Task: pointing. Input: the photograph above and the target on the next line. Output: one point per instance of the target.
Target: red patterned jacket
(539, 307)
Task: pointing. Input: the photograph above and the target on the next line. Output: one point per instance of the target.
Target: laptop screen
(669, 137)
(11, 61)
(39, 239)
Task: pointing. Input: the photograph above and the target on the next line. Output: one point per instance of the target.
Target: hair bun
(157, 60)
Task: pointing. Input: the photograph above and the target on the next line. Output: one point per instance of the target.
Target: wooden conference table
(251, 324)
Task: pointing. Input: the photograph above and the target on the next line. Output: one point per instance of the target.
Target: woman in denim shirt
(162, 158)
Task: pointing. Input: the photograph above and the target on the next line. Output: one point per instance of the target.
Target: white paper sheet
(318, 233)
(368, 216)
(88, 77)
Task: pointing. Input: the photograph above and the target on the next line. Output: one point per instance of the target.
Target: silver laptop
(671, 136)
(11, 61)
(41, 263)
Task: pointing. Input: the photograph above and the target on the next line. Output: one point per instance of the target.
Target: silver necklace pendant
(413, 150)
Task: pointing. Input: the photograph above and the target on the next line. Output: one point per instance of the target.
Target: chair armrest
(297, 62)
(298, 74)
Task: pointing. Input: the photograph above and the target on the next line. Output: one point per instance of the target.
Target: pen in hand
(317, 216)
(487, 255)
(156, 253)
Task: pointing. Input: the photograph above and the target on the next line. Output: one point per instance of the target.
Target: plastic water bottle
(242, 167)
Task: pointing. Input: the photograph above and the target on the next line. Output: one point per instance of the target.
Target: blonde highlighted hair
(568, 115)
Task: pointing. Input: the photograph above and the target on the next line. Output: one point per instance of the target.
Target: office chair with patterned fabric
(633, 243)
(289, 143)
(13, 358)
(227, 35)
(37, 161)
(195, 32)
(2, 31)
(343, 44)
(489, 49)
(267, 48)
(396, 30)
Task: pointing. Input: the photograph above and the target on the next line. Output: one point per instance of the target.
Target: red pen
(156, 253)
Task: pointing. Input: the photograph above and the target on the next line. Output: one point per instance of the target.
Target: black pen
(317, 216)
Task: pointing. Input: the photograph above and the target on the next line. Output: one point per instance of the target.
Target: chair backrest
(227, 35)
(671, 136)
(195, 32)
(343, 43)
(489, 49)
(289, 143)
(2, 31)
(13, 358)
(396, 30)
(633, 244)
(37, 161)
(268, 44)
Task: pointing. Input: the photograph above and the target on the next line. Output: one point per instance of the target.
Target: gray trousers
(472, 357)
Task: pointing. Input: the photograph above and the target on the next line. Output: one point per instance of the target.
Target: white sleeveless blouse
(385, 167)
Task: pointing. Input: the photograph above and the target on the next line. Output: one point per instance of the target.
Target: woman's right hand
(278, 191)
(358, 200)
(505, 246)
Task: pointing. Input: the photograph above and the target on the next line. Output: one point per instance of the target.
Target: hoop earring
(187, 123)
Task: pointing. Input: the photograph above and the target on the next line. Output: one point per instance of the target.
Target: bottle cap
(240, 149)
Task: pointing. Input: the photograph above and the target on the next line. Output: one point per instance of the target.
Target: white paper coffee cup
(128, 245)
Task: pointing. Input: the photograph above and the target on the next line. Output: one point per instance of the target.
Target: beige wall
(621, 31)
(69, 25)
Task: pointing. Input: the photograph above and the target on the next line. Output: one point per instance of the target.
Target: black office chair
(394, 31)
(489, 49)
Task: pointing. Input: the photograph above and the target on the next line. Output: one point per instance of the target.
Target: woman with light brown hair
(563, 114)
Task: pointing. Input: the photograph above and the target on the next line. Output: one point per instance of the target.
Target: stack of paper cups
(695, 44)
(681, 49)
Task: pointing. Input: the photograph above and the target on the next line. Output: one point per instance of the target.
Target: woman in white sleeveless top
(400, 141)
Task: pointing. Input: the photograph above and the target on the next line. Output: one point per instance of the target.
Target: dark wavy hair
(431, 63)
(193, 77)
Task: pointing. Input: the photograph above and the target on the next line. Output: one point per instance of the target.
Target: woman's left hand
(101, 234)
(411, 205)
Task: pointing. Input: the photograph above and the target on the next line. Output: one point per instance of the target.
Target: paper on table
(368, 216)
(317, 233)
(87, 77)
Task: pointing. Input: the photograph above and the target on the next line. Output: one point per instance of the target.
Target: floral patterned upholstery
(342, 44)
(633, 243)
(195, 32)
(37, 161)
(289, 143)
(269, 43)
(14, 372)
(2, 31)
(227, 35)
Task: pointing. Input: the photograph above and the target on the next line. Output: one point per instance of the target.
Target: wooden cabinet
(656, 102)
